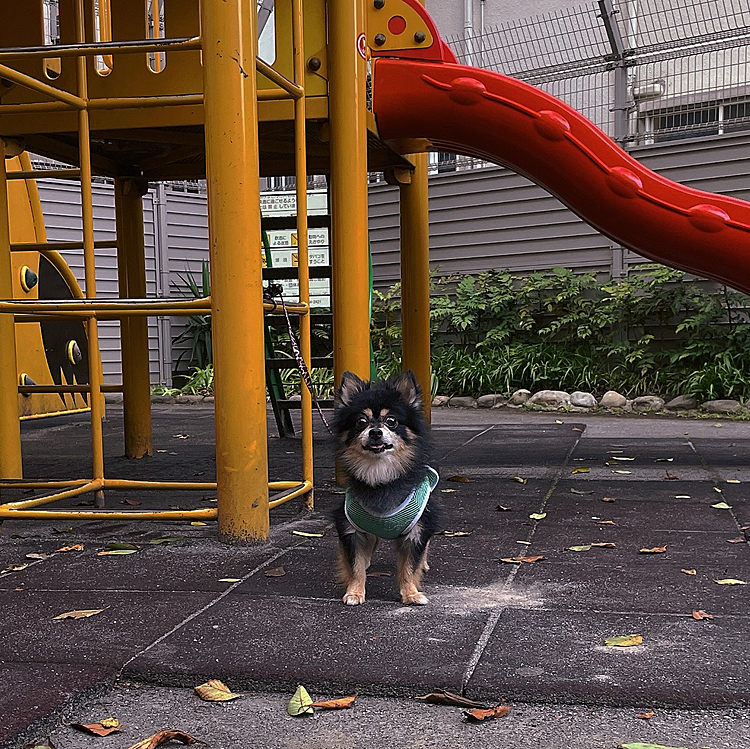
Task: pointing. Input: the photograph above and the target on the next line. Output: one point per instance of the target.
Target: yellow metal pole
(300, 164)
(415, 278)
(350, 257)
(10, 430)
(229, 32)
(131, 270)
(89, 261)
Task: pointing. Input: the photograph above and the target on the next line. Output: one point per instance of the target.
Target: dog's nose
(376, 434)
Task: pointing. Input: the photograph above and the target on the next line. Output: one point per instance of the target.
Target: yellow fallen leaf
(447, 491)
(301, 703)
(682, 496)
(581, 469)
(722, 506)
(621, 471)
(307, 535)
(198, 522)
(608, 499)
(538, 515)
(579, 547)
(624, 641)
(72, 547)
(518, 479)
(730, 581)
(14, 568)
(215, 690)
(116, 552)
(229, 579)
(716, 489)
(688, 572)
(521, 560)
(733, 481)
(79, 614)
(452, 534)
(458, 479)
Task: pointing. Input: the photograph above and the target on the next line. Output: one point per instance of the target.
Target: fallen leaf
(730, 581)
(79, 614)
(624, 641)
(162, 738)
(37, 556)
(452, 534)
(131, 502)
(478, 715)
(215, 691)
(722, 506)
(300, 704)
(181, 436)
(608, 499)
(121, 546)
(72, 547)
(655, 550)
(275, 572)
(502, 508)
(581, 469)
(604, 545)
(640, 745)
(701, 614)
(116, 552)
(443, 697)
(518, 479)
(663, 460)
(198, 522)
(308, 535)
(229, 579)
(621, 471)
(340, 703)
(458, 479)
(738, 540)
(688, 572)
(538, 515)
(622, 458)
(606, 522)
(379, 574)
(576, 429)
(524, 543)
(717, 490)
(166, 540)
(15, 568)
(573, 490)
(671, 476)
(733, 481)
(448, 491)
(682, 496)
(65, 529)
(579, 547)
(43, 744)
(646, 716)
(558, 421)
(103, 728)
(521, 560)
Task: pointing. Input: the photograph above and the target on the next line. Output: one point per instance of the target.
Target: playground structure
(186, 96)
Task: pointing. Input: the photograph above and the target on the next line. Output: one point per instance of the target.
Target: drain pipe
(469, 30)
(481, 33)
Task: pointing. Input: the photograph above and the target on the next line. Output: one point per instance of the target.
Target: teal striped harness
(396, 522)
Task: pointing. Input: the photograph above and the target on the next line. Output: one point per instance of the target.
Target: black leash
(277, 290)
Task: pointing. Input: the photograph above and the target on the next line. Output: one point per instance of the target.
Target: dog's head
(380, 427)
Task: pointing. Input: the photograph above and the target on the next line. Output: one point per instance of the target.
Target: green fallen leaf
(301, 703)
(579, 491)
(624, 641)
(538, 515)
(121, 546)
(581, 469)
(307, 535)
(722, 506)
(229, 579)
(117, 552)
(166, 540)
(581, 547)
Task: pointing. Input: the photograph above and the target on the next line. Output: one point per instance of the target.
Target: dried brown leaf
(443, 697)
(521, 560)
(215, 690)
(738, 540)
(79, 614)
(688, 572)
(655, 550)
(646, 716)
(502, 508)
(452, 534)
(604, 544)
(131, 502)
(671, 476)
(458, 479)
(477, 716)
(102, 728)
(608, 499)
(700, 615)
(275, 572)
(72, 547)
(158, 739)
(341, 703)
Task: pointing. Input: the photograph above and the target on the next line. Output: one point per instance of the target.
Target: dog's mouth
(377, 447)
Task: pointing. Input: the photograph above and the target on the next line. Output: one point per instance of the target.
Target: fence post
(621, 124)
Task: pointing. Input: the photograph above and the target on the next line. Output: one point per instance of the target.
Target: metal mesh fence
(677, 68)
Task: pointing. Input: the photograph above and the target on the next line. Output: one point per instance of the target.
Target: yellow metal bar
(273, 94)
(10, 430)
(43, 484)
(229, 31)
(131, 270)
(141, 102)
(57, 515)
(300, 169)
(91, 486)
(415, 277)
(57, 246)
(91, 306)
(89, 259)
(29, 389)
(136, 46)
(45, 173)
(149, 485)
(28, 81)
(49, 414)
(280, 80)
(304, 488)
(347, 104)
(34, 107)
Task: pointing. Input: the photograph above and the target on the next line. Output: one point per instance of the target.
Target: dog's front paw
(417, 599)
(354, 598)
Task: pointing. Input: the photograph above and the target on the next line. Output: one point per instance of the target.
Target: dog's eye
(362, 421)
(391, 422)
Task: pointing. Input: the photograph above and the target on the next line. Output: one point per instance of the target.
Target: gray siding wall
(493, 218)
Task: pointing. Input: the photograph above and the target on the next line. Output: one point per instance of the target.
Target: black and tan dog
(383, 448)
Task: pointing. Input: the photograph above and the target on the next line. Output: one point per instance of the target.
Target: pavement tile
(33, 691)
(553, 655)
(386, 647)
(129, 622)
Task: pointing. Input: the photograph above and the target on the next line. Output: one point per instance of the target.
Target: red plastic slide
(491, 116)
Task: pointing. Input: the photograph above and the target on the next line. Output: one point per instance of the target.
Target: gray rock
(295, 397)
(188, 399)
(208, 399)
(113, 397)
(645, 403)
(682, 403)
(519, 397)
(440, 400)
(612, 399)
(462, 401)
(550, 399)
(722, 406)
(162, 399)
(490, 401)
(582, 399)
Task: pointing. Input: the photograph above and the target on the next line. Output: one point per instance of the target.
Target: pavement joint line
(463, 444)
(494, 617)
(218, 598)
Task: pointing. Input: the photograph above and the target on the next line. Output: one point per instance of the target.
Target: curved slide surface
(493, 117)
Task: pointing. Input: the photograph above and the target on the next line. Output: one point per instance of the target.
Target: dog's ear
(349, 387)
(407, 385)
